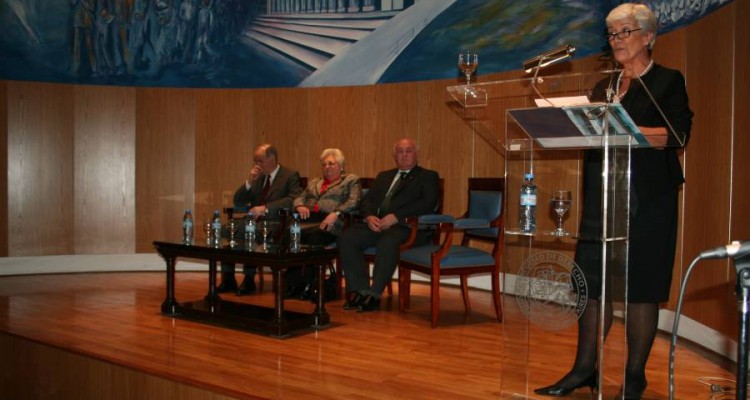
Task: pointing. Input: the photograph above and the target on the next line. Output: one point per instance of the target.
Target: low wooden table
(213, 309)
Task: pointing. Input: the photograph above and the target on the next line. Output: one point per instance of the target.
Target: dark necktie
(266, 188)
(386, 203)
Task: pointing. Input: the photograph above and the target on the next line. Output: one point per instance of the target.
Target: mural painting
(289, 43)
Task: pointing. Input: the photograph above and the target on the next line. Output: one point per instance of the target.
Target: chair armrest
(472, 223)
(433, 219)
(441, 223)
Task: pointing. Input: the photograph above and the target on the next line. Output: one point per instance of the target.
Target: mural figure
(204, 31)
(83, 25)
(139, 35)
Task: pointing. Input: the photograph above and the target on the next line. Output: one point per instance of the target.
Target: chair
(485, 205)
(445, 259)
(370, 253)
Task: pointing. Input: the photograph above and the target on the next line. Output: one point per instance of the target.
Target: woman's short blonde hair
(641, 13)
(337, 154)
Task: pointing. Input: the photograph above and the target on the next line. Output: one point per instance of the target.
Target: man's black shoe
(369, 303)
(307, 292)
(247, 287)
(291, 292)
(227, 285)
(353, 304)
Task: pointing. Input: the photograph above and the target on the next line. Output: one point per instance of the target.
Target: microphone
(736, 249)
(548, 58)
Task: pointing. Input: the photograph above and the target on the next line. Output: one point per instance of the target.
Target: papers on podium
(560, 124)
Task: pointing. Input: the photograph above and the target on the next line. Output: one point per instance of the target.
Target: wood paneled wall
(109, 169)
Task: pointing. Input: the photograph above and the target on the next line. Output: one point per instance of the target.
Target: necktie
(386, 203)
(266, 188)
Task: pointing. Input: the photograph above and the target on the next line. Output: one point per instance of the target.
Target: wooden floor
(101, 335)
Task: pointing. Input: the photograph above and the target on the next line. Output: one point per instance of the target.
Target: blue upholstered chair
(485, 206)
(443, 258)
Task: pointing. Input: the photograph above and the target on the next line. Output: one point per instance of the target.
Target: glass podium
(547, 126)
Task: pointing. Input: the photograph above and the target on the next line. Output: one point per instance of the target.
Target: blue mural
(289, 43)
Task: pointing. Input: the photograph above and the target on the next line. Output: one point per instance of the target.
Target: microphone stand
(742, 265)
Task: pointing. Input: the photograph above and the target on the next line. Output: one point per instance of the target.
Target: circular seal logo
(551, 290)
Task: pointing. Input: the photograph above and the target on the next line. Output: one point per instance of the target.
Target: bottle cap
(528, 175)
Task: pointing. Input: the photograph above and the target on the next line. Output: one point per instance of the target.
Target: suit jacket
(343, 195)
(284, 189)
(415, 195)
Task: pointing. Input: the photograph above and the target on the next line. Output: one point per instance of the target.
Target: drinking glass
(468, 61)
(208, 230)
(265, 230)
(561, 200)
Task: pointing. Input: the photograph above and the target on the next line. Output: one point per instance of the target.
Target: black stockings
(585, 363)
(643, 319)
(641, 331)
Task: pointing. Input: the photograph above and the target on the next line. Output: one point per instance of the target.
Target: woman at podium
(656, 177)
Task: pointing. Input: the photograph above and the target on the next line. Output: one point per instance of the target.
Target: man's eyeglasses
(624, 34)
(329, 164)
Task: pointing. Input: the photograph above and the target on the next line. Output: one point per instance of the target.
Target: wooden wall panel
(389, 113)
(707, 165)
(741, 135)
(224, 144)
(165, 163)
(40, 169)
(4, 168)
(104, 171)
(447, 142)
(336, 122)
(281, 117)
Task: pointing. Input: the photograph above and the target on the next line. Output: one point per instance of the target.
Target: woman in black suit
(656, 177)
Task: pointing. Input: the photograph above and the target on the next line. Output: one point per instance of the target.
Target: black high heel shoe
(635, 390)
(560, 390)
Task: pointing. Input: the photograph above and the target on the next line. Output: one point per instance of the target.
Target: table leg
(320, 315)
(169, 306)
(279, 325)
(212, 296)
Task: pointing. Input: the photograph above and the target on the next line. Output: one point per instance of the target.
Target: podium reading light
(548, 58)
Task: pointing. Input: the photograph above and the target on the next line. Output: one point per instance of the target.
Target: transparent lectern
(546, 126)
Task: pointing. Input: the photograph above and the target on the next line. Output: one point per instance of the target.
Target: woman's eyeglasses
(624, 34)
(329, 164)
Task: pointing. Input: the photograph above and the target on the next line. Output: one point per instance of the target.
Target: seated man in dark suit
(269, 188)
(396, 194)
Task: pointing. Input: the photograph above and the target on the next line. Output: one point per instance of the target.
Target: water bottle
(527, 219)
(187, 227)
(249, 231)
(295, 234)
(216, 228)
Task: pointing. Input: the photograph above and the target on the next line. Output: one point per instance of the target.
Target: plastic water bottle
(216, 228)
(527, 219)
(249, 231)
(187, 227)
(295, 234)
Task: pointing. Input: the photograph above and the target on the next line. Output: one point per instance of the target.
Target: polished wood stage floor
(101, 336)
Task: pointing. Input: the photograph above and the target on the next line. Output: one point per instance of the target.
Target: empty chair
(441, 259)
(485, 205)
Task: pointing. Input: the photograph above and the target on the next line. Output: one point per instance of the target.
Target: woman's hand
(303, 212)
(329, 221)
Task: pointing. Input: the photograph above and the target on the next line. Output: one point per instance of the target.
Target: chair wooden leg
(402, 291)
(435, 297)
(465, 293)
(496, 297)
(339, 279)
(406, 289)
